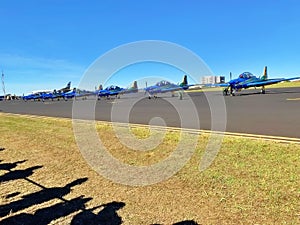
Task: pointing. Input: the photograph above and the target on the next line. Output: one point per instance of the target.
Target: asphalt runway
(275, 113)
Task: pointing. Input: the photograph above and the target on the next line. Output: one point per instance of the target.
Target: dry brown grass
(250, 182)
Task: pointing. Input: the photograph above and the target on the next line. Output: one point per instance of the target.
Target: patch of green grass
(249, 182)
(286, 84)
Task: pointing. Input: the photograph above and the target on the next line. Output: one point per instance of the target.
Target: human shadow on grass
(185, 222)
(18, 174)
(9, 166)
(11, 195)
(46, 194)
(108, 215)
(45, 215)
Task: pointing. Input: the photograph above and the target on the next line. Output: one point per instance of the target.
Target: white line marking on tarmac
(293, 99)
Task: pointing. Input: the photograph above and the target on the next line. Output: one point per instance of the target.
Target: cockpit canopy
(112, 87)
(163, 83)
(246, 75)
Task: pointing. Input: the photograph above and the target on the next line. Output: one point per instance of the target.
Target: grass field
(44, 179)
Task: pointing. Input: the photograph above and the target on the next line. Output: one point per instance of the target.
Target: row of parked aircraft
(68, 93)
(111, 91)
(244, 81)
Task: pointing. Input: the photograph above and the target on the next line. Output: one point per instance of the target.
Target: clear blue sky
(46, 43)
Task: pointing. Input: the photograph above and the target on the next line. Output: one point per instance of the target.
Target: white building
(212, 79)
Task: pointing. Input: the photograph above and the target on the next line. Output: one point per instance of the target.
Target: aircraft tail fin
(185, 81)
(135, 86)
(265, 75)
(68, 85)
(100, 87)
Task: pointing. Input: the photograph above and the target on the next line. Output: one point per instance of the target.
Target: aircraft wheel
(263, 90)
(232, 93)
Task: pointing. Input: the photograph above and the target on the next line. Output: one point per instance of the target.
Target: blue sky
(46, 43)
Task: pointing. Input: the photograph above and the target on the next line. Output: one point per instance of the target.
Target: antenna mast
(3, 85)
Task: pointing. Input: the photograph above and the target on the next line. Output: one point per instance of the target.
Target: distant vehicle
(166, 86)
(247, 80)
(117, 91)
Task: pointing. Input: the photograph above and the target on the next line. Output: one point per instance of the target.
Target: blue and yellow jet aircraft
(46, 94)
(116, 91)
(34, 96)
(166, 86)
(247, 80)
(77, 93)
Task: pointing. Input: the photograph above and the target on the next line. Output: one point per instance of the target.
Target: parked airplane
(166, 86)
(34, 96)
(47, 94)
(65, 89)
(77, 93)
(56, 94)
(117, 91)
(247, 80)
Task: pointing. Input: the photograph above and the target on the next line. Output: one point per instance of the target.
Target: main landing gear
(231, 91)
(154, 96)
(228, 90)
(263, 90)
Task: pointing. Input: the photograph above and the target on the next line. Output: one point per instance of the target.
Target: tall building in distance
(212, 79)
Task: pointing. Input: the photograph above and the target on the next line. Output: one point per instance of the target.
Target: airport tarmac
(275, 113)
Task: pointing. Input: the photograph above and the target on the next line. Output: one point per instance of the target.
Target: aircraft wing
(164, 89)
(221, 85)
(266, 82)
(107, 93)
(129, 90)
(117, 91)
